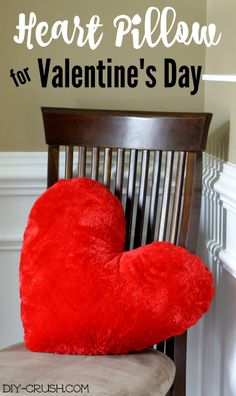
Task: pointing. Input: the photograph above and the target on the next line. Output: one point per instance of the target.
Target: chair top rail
(167, 131)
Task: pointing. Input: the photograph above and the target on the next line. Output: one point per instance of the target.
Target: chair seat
(140, 374)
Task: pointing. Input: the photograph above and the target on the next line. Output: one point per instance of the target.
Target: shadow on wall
(218, 142)
(225, 333)
(212, 240)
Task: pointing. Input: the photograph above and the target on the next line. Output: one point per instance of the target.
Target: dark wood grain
(176, 212)
(103, 128)
(69, 162)
(166, 197)
(82, 161)
(107, 167)
(53, 165)
(156, 175)
(95, 163)
(179, 356)
(192, 202)
(170, 146)
(119, 173)
(141, 199)
(130, 196)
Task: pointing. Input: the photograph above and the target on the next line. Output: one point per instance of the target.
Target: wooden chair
(176, 140)
(153, 163)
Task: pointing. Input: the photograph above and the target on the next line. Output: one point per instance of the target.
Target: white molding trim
(25, 173)
(219, 77)
(228, 259)
(11, 242)
(22, 173)
(226, 188)
(212, 214)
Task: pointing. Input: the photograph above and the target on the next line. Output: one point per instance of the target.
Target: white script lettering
(160, 27)
(156, 27)
(59, 28)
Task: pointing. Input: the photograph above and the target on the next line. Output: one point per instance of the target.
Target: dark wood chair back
(152, 162)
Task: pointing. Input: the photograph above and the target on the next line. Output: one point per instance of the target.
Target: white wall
(22, 179)
(212, 343)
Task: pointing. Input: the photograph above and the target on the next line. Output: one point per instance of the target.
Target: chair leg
(180, 343)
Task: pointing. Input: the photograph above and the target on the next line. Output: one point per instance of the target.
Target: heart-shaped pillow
(81, 293)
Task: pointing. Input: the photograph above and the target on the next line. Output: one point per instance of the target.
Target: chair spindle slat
(156, 174)
(53, 165)
(95, 163)
(119, 173)
(192, 199)
(142, 198)
(107, 167)
(82, 161)
(130, 195)
(69, 152)
(179, 182)
(166, 196)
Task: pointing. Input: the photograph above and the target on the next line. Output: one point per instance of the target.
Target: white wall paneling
(203, 361)
(212, 342)
(226, 187)
(22, 180)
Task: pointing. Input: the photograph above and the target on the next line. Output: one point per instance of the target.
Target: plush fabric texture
(146, 373)
(82, 294)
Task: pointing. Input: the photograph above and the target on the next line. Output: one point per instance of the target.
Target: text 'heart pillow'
(81, 293)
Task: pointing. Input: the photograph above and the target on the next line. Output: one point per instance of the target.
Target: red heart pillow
(81, 293)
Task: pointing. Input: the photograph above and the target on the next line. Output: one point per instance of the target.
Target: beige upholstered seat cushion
(139, 374)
